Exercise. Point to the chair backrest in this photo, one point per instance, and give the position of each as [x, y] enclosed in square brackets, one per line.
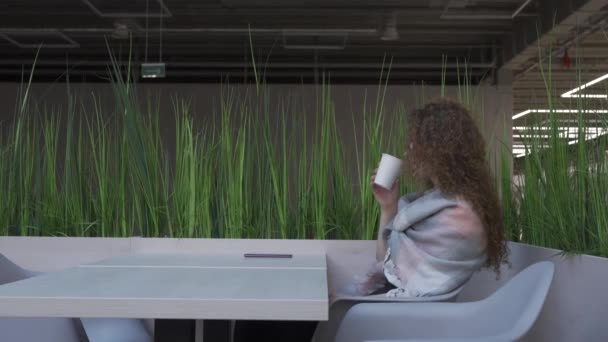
[326, 331]
[115, 329]
[448, 297]
[520, 300]
[34, 329]
[506, 315]
[11, 272]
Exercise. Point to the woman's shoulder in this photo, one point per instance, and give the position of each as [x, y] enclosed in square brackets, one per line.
[454, 212]
[464, 219]
[410, 197]
[423, 207]
[427, 198]
[414, 196]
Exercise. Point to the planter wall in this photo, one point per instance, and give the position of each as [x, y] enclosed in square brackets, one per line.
[574, 311]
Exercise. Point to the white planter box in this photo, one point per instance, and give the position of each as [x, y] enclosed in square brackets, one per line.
[574, 311]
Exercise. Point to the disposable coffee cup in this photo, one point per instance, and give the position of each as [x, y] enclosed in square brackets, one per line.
[388, 171]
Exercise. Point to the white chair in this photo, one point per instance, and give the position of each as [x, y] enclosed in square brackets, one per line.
[506, 315]
[326, 331]
[64, 329]
[15, 329]
[116, 330]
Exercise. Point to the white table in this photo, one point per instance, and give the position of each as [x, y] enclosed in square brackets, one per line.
[177, 286]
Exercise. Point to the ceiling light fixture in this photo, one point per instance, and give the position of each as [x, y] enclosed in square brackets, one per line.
[561, 135]
[562, 128]
[573, 92]
[528, 146]
[576, 121]
[519, 115]
[520, 151]
[586, 111]
[590, 136]
[589, 96]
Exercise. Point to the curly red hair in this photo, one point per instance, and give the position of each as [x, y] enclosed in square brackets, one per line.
[445, 145]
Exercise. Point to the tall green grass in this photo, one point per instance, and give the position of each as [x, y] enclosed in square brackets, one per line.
[302, 187]
[257, 170]
[184, 194]
[368, 154]
[561, 201]
[232, 168]
[276, 152]
[260, 166]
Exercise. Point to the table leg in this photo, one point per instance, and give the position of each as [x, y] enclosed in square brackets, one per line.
[214, 330]
[174, 330]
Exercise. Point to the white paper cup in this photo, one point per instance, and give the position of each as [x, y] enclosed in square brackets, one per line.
[388, 171]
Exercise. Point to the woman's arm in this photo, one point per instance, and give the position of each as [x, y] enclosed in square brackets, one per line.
[388, 201]
[386, 214]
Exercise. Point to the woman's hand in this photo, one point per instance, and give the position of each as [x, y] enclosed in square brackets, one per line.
[387, 199]
[332, 296]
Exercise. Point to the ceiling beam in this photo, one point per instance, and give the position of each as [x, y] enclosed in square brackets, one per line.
[277, 65]
[403, 30]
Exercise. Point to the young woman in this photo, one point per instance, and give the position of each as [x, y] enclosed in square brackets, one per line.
[431, 243]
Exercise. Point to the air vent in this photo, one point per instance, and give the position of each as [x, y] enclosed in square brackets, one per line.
[43, 39]
[128, 9]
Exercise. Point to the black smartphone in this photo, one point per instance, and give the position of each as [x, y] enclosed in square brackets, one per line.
[262, 255]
